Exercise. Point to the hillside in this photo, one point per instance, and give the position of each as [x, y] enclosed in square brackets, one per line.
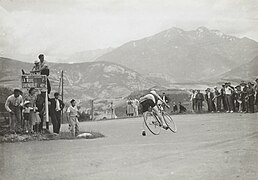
[82, 80]
[246, 72]
[177, 55]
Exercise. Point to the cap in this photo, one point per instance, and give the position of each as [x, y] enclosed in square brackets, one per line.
[17, 90]
[36, 62]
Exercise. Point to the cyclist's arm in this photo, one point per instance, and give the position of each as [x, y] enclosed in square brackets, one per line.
[155, 94]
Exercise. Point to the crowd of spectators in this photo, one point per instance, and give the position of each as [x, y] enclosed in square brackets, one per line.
[227, 98]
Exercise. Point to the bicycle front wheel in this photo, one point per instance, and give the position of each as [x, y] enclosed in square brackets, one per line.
[169, 122]
[152, 124]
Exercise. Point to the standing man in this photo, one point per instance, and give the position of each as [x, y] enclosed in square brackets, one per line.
[250, 97]
[229, 100]
[193, 100]
[135, 106]
[256, 92]
[165, 99]
[56, 108]
[218, 99]
[223, 97]
[13, 106]
[209, 98]
[40, 104]
[199, 99]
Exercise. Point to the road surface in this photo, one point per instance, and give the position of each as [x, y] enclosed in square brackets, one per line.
[206, 146]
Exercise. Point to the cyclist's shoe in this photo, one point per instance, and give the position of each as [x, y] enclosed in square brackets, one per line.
[143, 133]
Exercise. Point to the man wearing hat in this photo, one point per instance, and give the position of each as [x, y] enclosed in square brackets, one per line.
[256, 92]
[35, 69]
[209, 96]
[250, 97]
[56, 108]
[217, 99]
[13, 105]
[229, 97]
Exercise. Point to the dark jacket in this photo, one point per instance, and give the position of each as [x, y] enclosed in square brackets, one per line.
[52, 107]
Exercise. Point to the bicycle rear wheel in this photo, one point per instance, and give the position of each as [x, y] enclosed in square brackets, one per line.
[169, 122]
[152, 124]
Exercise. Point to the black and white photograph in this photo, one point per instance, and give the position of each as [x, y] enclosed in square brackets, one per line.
[128, 89]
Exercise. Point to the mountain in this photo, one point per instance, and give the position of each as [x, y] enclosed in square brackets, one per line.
[247, 72]
[184, 56]
[81, 80]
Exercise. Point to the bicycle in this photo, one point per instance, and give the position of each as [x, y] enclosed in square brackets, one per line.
[154, 124]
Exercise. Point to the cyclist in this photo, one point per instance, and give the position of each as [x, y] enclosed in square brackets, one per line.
[151, 100]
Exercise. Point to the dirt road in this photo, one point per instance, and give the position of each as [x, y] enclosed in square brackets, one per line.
[208, 146]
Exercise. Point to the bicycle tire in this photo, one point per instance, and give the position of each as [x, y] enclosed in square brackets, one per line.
[152, 124]
[169, 122]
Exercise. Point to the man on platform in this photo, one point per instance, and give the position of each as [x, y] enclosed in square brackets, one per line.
[44, 70]
[56, 108]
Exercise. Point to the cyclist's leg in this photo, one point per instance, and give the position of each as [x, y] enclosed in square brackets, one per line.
[155, 108]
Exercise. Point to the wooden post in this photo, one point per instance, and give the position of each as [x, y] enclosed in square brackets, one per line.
[62, 91]
[47, 113]
[92, 109]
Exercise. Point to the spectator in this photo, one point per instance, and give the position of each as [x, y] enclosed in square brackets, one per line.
[112, 110]
[129, 108]
[256, 92]
[209, 96]
[223, 97]
[175, 108]
[182, 109]
[135, 106]
[243, 87]
[43, 69]
[73, 115]
[238, 97]
[199, 100]
[13, 106]
[193, 100]
[36, 68]
[32, 105]
[56, 108]
[26, 116]
[229, 100]
[217, 99]
[165, 99]
[40, 104]
[250, 98]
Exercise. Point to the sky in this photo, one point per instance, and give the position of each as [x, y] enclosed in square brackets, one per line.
[59, 28]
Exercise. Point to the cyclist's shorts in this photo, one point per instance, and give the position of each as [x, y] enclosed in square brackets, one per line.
[147, 104]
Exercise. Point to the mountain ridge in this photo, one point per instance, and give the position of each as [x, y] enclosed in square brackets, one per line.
[184, 55]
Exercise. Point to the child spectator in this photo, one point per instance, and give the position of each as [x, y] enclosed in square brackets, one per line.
[72, 114]
[26, 116]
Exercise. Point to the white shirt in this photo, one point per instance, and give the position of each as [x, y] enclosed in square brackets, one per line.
[228, 90]
[57, 105]
[73, 111]
[11, 100]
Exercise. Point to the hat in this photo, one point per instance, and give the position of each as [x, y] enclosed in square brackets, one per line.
[36, 62]
[17, 90]
[256, 79]
[215, 87]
